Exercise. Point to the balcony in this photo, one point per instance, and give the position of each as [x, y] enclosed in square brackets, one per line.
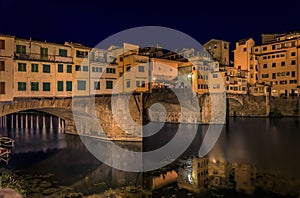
[41, 57]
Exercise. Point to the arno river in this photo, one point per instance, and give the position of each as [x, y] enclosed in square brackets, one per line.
[254, 157]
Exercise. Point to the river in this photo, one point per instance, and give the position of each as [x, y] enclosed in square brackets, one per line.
[252, 157]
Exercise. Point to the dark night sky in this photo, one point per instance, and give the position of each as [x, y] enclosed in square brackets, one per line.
[89, 22]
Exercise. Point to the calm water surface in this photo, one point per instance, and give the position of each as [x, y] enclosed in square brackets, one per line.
[254, 157]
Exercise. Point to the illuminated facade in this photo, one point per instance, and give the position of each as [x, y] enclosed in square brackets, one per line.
[274, 63]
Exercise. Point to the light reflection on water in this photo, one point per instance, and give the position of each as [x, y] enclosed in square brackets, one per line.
[252, 154]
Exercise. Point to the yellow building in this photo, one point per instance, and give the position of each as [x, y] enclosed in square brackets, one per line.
[272, 64]
[40, 69]
[6, 68]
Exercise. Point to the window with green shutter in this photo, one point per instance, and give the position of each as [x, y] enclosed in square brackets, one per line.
[69, 68]
[20, 49]
[34, 67]
[109, 84]
[34, 86]
[60, 68]
[69, 85]
[22, 67]
[46, 68]
[21, 86]
[46, 86]
[62, 52]
[60, 85]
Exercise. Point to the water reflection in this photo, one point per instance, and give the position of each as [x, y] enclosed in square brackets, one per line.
[253, 157]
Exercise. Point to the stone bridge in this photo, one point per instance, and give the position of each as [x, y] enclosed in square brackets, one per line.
[120, 117]
[237, 97]
[89, 116]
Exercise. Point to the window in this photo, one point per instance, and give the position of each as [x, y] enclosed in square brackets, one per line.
[60, 85]
[77, 68]
[287, 73]
[293, 62]
[215, 75]
[293, 74]
[293, 54]
[46, 86]
[85, 68]
[81, 85]
[97, 85]
[22, 67]
[97, 69]
[69, 68]
[2, 65]
[20, 49]
[2, 87]
[128, 83]
[273, 64]
[283, 64]
[265, 75]
[111, 70]
[46, 68]
[239, 67]
[141, 69]
[109, 84]
[264, 48]
[293, 81]
[265, 66]
[2, 44]
[273, 75]
[81, 54]
[62, 52]
[44, 53]
[245, 49]
[137, 83]
[34, 86]
[256, 50]
[69, 85]
[128, 68]
[34, 67]
[143, 84]
[251, 75]
[282, 73]
[278, 73]
[60, 68]
[264, 57]
[21, 86]
[273, 47]
[225, 46]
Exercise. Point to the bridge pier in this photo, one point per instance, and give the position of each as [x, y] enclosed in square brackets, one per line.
[51, 123]
[17, 121]
[44, 122]
[21, 117]
[12, 121]
[26, 121]
[31, 121]
[37, 122]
